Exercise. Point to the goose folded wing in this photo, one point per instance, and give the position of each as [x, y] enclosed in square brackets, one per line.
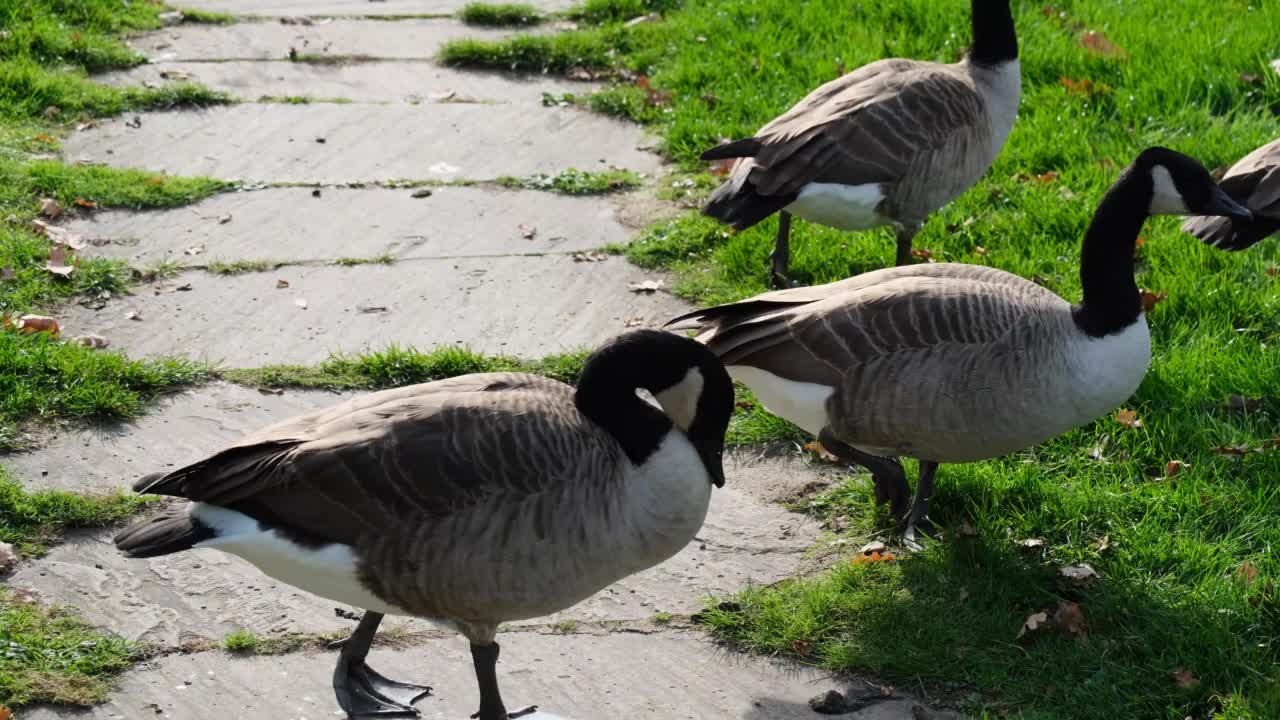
[1255, 180]
[871, 130]
[334, 475]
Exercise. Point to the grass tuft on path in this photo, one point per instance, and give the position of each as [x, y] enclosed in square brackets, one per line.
[600, 12]
[1169, 549]
[51, 656]
[576, 182]
[33, 521]
[501, 14]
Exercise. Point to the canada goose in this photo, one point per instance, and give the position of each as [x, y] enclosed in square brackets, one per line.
[471, 501]
[957, 363]
[888, 143]
[1255, 183]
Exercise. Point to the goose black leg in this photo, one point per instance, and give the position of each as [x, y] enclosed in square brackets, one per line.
[920, 506]
[362, 691]
[781, 257]
[905, 234]
[887, 473]
[485, 659]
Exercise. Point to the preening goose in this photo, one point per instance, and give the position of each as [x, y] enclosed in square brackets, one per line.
[957, 363]
[471, 501]
[886, 144]
[1255, 183]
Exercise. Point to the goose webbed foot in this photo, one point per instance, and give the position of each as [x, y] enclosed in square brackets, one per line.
[363, 692]
[509, 715]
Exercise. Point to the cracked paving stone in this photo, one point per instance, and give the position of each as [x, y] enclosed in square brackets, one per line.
[358, 8]
[405, 39]
[669, 676]
[527, 306]
[274, 142]
[290, 224]
[390, 81]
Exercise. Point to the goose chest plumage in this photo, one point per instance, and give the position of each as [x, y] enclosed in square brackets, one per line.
[1254, 182]
[956, 363]
[887, 144]
[471, 501]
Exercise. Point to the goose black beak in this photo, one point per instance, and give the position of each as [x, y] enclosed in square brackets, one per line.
[1222, 204]
[715, 467]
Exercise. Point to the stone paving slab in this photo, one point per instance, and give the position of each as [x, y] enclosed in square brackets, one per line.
[371, 8]
[290, 224]
[666, 676]
[404, 39]
[391, 81]
[279, 142]
[528, 306]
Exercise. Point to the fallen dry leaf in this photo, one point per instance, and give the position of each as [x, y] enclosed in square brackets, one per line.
[97, 342]
[8, 558]
[873, 547]
[527, 231]
[1104, 544]
[7, 274]
[5, 713]
[1173, 467]
[923, 254]
[816, 448]
[1086, 87]
[133, 315]
[1151, 299]
[282, 284]
[50, 208]
[980, 251]
[1099, 44]
[875, 557]
[89, 204]
[1047, 177]
[1247, 573]
[57, 262]
[1032, 543]
[1034, 626]
[801, 648]
[1128, 418]
[224, 219]
[1240, 450]
[57, 235]
[28, 324]
[1070, 620]
[45, 138]
[301, 302]
[646, 286]
[1078, 575]
[1184, 679]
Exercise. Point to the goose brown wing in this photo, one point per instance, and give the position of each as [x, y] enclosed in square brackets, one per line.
[424, 451]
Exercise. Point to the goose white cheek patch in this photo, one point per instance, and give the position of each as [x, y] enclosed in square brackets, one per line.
[680, 401]
[1165, 198]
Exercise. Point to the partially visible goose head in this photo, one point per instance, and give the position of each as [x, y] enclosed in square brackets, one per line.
[688, 381]
[1182, 186]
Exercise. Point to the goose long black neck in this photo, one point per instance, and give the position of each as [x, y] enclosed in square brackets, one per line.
[607, 396]
[995, 39]
[1111, 301]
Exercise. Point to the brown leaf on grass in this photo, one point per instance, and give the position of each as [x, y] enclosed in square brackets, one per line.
[1104, 544]
[1078, 575]
[645, 286]
[873, 558]
[1173, 467]
[7, 274]
[1184, 679]
[1128, 418]
[154, 182]
[1137, 248]
[816, 448]
[1151, 299]
[527, 231]
[1045, 178]
[87, 204]
[980, 251]
[653, 96]
[923, 254]
[1246, 573]
[1069, 618]
[28, 324]
[57, 263]
[1085, 87]
[1273, 272]
[5, 713]
[1034, 626]
[1099, 44]
[1240, 449]
[801, 648]
[50, 208]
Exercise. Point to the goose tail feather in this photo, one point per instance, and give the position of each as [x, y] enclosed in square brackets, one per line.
[172, 530]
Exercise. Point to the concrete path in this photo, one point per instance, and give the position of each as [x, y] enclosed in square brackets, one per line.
[499, 270]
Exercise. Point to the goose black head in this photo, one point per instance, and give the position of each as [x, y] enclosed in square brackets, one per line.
[1182, 186]
[687, 380]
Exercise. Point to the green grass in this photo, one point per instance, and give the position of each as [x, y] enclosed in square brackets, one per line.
[500, 14]
[32, 521]
[1170, 596]
[576, 182]
[384, 259]
[206, 17]
[52, 656]
[241, 641]
[240, 267]
[599, 12]
[399, 366]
